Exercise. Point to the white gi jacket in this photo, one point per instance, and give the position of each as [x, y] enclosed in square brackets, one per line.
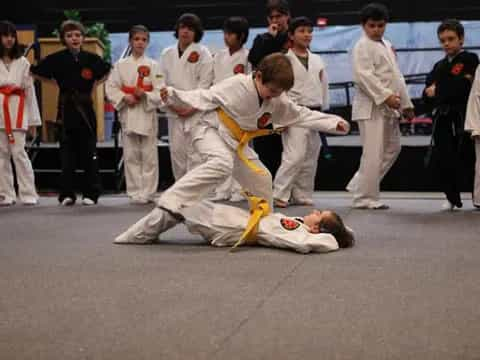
[226, 65]
[140, 119]
[472, 119]
[18, 74]
[377, 76]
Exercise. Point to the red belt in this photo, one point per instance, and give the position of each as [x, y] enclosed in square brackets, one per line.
[140, 85]
[8, 91]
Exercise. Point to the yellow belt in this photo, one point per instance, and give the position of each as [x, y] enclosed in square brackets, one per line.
[259, 208]
[243, 137]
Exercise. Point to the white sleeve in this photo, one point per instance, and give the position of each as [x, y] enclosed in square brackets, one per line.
[287, 113]
[31, 102]
[113, 88]
[472, 119]
[405, 101]
[205, 70]
[364, 75]
[326, 94]
[153, 99]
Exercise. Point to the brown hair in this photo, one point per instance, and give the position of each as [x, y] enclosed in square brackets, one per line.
[7, 28]
[70, 25]
[193, 22]
[138, 29]
[278, 5]
[277, 70]
[334, 225]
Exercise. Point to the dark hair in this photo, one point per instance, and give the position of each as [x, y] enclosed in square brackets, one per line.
[193, 22]
[374, 11]
[297, 22]
[277, 69]
[237, 25]
[8, 28]
[334, 225]
[452, 25]
[138, 29]
[70, 25]
[279, 5]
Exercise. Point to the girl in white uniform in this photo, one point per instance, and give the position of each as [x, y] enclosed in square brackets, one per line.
[187, 65]
[18, 114]
[295, 179]
[133, 87]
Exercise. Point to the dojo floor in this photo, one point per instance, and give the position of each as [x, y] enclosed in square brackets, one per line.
[410, 289]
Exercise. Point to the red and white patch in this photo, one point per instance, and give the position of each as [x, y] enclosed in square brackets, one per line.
[263, 120]
[87, 74]
[239, 69]
[457, 69]
[143, 71]
[289, 224]
[193, 57]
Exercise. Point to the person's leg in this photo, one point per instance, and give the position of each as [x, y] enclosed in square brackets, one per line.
[295, 143]
[392, 146]
[92, 182]
[178, 146]
[68, 162]
[23, 167]
[131, 157]
[7, 190]
[149, 166]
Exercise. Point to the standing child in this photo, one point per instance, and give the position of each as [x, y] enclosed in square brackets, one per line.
[18, 115]
[472, 125]
[447, 88]
[187, 65]
[226, 63]
[133, 88]
[76, 72]
[381, 98]
[295, 179]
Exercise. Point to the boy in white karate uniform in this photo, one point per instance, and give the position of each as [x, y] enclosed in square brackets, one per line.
[187, 65]
[380, 100]
[222, 225]
[295, 179]
[235, 110]
[133, 87]
[226, 63]
[472, 125]
[18, 115]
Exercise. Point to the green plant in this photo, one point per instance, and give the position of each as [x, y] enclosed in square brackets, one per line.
[96, 30]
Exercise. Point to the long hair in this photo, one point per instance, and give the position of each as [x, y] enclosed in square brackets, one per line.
[7, 28]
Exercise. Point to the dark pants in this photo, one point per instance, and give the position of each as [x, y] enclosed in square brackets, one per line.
[78, 144]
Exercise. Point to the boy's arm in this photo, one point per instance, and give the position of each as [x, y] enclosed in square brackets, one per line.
[153, 100]
[472, 119]
[113, 88]
[365, 78]
[44, 70]
[325, 93]
[205, 71]
[31, 100]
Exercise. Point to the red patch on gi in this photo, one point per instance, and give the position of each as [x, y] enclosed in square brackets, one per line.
[239, 69]
[87, 74]
[263, 120]
[289, 224]
[143, 71]
[193, 57]
[457, 69]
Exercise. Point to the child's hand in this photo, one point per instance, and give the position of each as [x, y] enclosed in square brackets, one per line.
[343, 127]
[430, 91]
[131, 100]
[139, 93]
[393, 101]
[273, 29]
[408, 113]
[164, 94]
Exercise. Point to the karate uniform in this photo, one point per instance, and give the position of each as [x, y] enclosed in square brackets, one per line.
[472, 125]
[377, 76]
[192, 70]
[453, 148]
[295, 179]
[139, 123]
[76, 75]
[237, 97]
[226, 65]
[222, 225]
[21, 114]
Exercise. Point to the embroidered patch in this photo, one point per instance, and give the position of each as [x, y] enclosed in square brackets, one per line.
[263, 120]
[457, 69]
[193, 57]
[87, 74]
[143, 71]
[289, 224]
[239, 69]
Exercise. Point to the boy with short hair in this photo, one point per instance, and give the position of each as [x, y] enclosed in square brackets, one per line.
[295, 179]
[187, 65]
[76, 72]
[381, 99]
[133, 87]
[447, 89]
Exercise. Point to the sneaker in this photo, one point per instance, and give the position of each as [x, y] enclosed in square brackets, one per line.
[30, 201]
[280, 203]
[448, 206]
[374, 205]
[6, 202]
[68, 201]
[88, 202]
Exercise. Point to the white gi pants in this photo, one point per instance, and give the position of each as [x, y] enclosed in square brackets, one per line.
[295, 177]
[381, 146]
[476, 190]
[23, 168]
[219, 161]
[140, 154]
